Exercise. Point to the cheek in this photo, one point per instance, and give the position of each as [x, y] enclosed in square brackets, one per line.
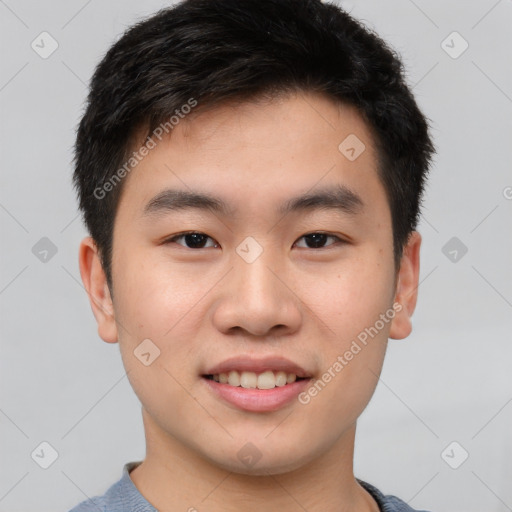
[350, 297]
[352, 356]
[351, 303]
[157, 305]
[154, 296]
[156, 343]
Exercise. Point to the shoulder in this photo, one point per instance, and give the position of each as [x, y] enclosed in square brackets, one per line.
[110, 501]
[122, 496]
[387, 503]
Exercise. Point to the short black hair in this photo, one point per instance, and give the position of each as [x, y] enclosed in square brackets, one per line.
[215, 51]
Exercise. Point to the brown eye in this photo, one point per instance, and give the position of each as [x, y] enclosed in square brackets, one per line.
[192, 240]
[318, 240]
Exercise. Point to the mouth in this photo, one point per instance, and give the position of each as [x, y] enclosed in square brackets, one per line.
[253, 385]
[252, 380]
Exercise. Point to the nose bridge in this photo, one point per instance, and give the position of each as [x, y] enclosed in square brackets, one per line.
[256, 285]
[256, 300]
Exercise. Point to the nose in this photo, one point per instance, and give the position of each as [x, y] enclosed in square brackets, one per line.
[257, 300]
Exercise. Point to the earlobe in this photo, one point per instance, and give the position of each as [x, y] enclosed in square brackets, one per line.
[95, 283]
[407, 288]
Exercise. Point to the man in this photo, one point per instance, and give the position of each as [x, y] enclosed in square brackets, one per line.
[250, 173]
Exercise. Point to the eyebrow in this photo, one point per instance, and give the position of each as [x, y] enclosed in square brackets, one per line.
[338, 197]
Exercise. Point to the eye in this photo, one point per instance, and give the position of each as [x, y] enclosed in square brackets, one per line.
[318, 239]
[198, 240]
[192, 239]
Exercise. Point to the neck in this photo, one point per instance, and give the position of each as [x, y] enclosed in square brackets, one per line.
[174, 477]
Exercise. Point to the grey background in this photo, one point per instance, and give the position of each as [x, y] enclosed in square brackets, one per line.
[449, 381]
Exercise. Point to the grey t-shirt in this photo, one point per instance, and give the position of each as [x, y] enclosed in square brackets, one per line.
[123, 496]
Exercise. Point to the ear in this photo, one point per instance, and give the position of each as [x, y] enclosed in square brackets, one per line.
[407, 288]
[95, 283]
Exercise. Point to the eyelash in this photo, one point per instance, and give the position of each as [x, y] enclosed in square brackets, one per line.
[181, 235]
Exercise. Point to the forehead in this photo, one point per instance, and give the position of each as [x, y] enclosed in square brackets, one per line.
[260, 153]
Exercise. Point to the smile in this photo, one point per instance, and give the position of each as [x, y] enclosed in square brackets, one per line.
[251, 380]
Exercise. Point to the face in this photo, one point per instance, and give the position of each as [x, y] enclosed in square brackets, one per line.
[287, 282]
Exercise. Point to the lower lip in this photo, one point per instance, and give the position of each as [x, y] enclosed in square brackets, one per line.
[258, 400]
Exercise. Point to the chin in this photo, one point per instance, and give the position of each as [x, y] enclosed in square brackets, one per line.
[259, 465]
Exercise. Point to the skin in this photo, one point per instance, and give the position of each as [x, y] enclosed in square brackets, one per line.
[201, 306]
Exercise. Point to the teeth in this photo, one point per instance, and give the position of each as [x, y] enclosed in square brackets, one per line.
[250, 380]
[234, 378]
[266, 380]
[280, 379]
[290, 378]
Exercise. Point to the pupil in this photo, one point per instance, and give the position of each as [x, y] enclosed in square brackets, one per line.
[317, 239]
[196, 239]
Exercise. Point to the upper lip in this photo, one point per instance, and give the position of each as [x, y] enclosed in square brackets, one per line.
[258, 365]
